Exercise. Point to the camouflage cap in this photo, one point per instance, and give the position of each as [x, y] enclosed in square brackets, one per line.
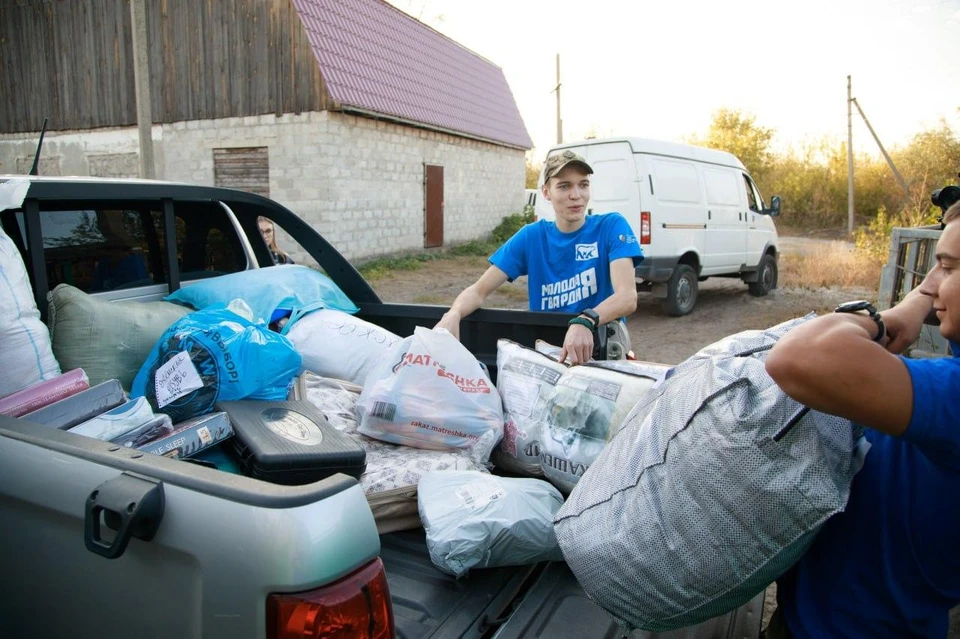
[559, 161]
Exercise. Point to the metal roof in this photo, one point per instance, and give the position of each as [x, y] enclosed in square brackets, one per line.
[377, 60]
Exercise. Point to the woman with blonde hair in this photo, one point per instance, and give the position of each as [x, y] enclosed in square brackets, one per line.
[268, 232]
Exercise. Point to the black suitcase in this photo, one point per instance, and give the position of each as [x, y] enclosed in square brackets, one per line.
[290, 442]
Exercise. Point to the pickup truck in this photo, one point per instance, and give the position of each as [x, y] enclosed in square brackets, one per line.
[223, 555]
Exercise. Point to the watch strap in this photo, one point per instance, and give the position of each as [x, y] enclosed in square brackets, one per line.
[582, 321]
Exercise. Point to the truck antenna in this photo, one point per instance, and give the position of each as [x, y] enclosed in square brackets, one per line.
[36, 157]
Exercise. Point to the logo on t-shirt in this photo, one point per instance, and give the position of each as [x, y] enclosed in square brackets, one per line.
[587, 252]
[557, 295]
[629, 239]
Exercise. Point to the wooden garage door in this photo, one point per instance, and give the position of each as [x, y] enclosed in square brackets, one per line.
[433, 205]
[244, 168]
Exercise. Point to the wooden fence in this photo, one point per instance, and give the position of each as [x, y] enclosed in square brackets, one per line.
[912, 254]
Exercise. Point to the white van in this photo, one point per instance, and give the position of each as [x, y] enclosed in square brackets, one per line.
[696, 212]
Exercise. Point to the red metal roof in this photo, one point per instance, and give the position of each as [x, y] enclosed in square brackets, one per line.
[374, 57]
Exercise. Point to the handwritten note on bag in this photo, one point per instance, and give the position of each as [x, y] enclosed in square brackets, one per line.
[175, 379]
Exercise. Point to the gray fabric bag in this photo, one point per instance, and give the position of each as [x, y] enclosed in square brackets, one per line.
[477, 520]
[715, 485]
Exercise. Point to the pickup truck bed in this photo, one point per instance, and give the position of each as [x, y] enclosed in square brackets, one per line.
[226, 542]
[522, 602]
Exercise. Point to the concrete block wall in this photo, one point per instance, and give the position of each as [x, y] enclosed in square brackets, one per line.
[357, 180]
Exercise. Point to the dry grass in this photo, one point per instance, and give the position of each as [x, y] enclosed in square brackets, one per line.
[831, 266]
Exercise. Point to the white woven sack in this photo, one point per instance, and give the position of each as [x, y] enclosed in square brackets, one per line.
[525, 379]
[430, 392]
[716, 484]
[24, 340]
[584, 410]
[338, 345]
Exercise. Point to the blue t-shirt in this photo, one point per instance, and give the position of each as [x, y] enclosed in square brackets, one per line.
[568, 272]
[889, 566]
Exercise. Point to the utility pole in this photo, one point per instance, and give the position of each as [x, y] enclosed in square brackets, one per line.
[141, 84]
[886, 156]
[557, 89]
[849, 156]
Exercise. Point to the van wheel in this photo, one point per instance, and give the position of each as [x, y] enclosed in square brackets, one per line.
[766, 277]
[682, 291]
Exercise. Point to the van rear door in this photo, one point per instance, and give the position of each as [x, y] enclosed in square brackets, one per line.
[726, 241]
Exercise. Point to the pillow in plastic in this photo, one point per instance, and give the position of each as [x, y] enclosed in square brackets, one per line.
[393, 471]
[338, 345]
[215, 355]
[525, 379]
[24, 340]
[429, 392]
[584, 410]
[108, 340]
[716, 484]
[476, 520]
[286, 286]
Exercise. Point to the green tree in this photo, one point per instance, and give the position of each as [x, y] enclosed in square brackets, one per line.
[533, 174]
[736, 132]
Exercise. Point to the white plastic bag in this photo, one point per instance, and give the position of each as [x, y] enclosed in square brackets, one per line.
[585, 410]
[430, 392]
[525, 379]
[24, 340]
[338, 345]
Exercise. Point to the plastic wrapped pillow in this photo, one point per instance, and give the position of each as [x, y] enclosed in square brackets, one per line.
[476, 520]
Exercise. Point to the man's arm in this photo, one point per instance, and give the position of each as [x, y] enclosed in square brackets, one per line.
[832, 365]
[623, 302]
[578, 343]
[471, 298]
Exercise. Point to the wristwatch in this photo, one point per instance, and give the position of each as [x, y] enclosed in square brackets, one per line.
[591, 315]
[863, 305]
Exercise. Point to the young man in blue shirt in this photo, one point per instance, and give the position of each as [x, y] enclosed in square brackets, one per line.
[577, 264]
[889, 566]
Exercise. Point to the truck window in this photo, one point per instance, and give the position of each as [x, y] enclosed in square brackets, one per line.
[101, 249]
[207, 242]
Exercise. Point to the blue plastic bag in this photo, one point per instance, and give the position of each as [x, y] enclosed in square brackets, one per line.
[287, 287]
[215, 355]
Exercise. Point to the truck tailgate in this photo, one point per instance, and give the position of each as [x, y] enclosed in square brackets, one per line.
[557, 607]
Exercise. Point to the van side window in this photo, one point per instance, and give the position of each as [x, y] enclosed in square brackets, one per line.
[753, 198]
[102, 249]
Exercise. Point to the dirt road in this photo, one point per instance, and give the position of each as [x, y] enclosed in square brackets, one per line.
[724, 306]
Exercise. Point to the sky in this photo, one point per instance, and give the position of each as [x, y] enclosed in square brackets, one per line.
[660, 69]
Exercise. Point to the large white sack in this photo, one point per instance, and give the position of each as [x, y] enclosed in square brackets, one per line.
[585, 410]
[24, 340]
[430, 392]
[338, 345]
[715, 485]
[525, 379]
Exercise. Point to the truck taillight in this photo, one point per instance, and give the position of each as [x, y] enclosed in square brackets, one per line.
[355, 607]
[645, 227]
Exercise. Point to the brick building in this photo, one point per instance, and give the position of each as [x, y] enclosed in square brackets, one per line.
[339, 109]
